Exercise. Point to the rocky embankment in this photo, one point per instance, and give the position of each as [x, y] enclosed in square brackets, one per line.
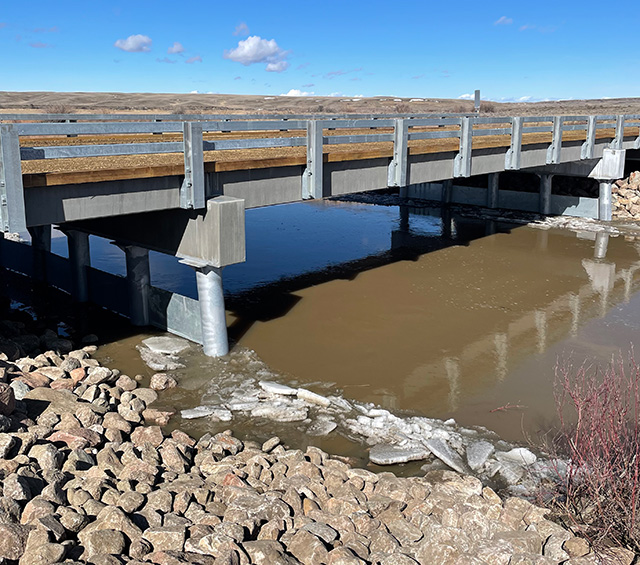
[89, 475]
[626, 198]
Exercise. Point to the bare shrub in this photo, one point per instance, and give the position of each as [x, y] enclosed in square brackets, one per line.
[599, 415]
[403, 108]
[58, 109]
[488, 107]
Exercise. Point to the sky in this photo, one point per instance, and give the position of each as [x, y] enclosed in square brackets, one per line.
[421, 49]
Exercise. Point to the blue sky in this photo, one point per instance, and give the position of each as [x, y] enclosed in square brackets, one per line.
[509, 50]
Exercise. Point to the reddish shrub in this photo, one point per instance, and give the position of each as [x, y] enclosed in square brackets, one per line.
[599, 415]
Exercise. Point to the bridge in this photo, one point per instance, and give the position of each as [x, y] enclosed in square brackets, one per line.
[181, 184]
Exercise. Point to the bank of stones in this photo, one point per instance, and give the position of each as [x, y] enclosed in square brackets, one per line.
[625, 198]
[89, 476]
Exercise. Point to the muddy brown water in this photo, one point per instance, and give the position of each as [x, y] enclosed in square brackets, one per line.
[447, 318]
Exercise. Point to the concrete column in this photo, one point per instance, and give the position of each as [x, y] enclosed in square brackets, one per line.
[138, 283]
[404, 218]
[492, 190]
[446, 222]
[80, 258]
[215, 341]
[604, 200]
[447, 185]
[41, 245]
[545, 193]
[601, 244]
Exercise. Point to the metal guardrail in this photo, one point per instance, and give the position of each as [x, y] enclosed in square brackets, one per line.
[463, 128]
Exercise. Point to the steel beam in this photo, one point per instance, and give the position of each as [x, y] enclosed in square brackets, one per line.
[546, 181]
[80, 258]
[493, 190]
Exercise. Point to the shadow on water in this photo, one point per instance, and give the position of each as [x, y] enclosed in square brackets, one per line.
[275, 299]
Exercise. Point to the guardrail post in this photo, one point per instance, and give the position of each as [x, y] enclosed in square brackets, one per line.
[192, 191]
[617, 140]
[12, 211]
[312, 176]
[553, 152]
[462, 162]
[398, 166]
[512, 157]
[586, 152]
[636, 141]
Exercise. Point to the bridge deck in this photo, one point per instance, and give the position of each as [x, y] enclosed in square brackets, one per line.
[56, 172]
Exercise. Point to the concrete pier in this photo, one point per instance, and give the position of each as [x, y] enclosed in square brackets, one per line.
[138, 283]
[546, 181]
[80, 257]
[492, 192]
[604, 201]
[41, 243]
[215, 342]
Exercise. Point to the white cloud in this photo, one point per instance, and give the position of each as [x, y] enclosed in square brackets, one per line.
[503, 21]
[175, 48]
[195, 59]
[254, 49]
[277, 67]
[241, 29]
[466, 97]
[525, 99]
[194, 92]
[134, 44]
[166, 60]
[296, 92]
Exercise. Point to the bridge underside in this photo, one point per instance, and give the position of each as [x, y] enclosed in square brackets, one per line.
[144, 214]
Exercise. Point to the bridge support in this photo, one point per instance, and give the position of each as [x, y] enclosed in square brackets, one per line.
[447, 186]
[80, 258]
[212, 313]
[546, 181]
[604, 200]
[41, 244]
[138, 283]
[492, 191]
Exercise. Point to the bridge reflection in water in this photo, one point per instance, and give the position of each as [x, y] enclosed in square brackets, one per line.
[467, 323]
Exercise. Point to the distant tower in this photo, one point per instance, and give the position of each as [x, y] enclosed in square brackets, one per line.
[476, 103]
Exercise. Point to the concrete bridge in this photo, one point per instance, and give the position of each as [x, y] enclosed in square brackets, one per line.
[181, 184]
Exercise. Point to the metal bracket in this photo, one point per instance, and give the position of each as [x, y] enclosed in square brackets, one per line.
[636, 142]
[462, 162]
[512, 157]
[553, 152]
[12, 210]
[398, 167]
[312, 176]
[192, 194]
[586, 152]
[617, 140]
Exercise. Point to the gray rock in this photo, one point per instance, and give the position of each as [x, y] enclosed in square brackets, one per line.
[13, 540]
[280, 412]
[20, 389]
[307, 548]
[7, 399]
[7, 442]
[97, 542]
[162, 381]
[166, 538]
[383, 454]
